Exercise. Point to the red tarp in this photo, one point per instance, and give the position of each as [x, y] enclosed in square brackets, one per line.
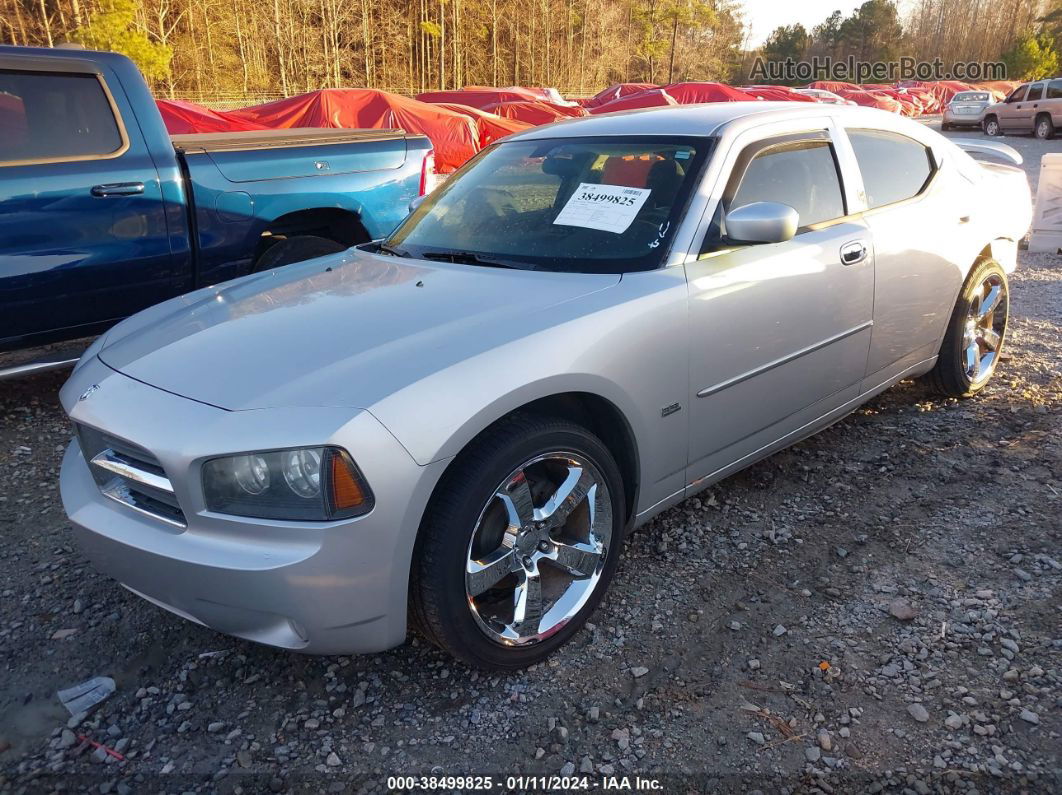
[616, 91]
[776, 94]
[869, 100]
[491, 126]
[184, 118]
[535, 113]
[690, 93]
[999, 89]
[836, 86]
[481, 97]
[653, 98]
[13, 127]
[454, 136]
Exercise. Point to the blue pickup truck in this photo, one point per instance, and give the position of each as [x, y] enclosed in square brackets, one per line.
[103, 213]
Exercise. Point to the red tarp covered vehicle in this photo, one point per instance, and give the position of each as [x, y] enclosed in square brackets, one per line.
[535, 113]
[776, 94]
[869, 100]
[653, 98]
[616, 91]
[491, 126]
[184, 118]
[454, 136]
[481, 97]
[836, 86]
[691, 93]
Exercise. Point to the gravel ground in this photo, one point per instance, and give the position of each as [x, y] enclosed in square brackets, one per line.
[875, 609]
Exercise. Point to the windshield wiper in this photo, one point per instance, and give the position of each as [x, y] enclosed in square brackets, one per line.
[394, 252]
[471, 258]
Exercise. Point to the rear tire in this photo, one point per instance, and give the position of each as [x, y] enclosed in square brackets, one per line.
[944, 126]
[296, 249]
[991, 126]
[974, 339]
[479, 517]
[1045, 128]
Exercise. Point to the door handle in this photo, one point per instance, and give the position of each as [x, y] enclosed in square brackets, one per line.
[853, 252]
[118, 189]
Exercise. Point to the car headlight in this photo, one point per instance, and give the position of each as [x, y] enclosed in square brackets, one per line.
[303, 484]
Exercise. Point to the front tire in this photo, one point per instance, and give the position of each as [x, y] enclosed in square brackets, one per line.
[974, 339]
[296, 249]
[519, 543]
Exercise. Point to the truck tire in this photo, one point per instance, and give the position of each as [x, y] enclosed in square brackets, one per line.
[1045, 128]
[991, 126]
[296, 249]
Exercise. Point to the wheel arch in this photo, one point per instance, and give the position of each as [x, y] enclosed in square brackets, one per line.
[335, 223]
[587, 407]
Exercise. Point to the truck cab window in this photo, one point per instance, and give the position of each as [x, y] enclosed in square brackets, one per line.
[53, 116]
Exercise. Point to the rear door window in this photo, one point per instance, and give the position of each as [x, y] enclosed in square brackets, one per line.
[894, 167]
[52, 117]
[1054, 89]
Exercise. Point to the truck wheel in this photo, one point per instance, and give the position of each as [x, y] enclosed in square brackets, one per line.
[296, 249]
[992, 126]
[518, 544]
[974, 339]
[1045, 128]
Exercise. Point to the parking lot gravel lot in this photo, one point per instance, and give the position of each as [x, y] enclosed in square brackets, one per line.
[875, 609]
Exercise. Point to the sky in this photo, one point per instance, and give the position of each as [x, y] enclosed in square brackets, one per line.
[763, 16]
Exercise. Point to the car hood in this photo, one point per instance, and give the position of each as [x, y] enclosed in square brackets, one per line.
[342, 330]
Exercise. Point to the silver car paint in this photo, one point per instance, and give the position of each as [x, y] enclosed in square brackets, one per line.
[402, 362]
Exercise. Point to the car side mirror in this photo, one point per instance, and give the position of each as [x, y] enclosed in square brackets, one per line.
[761, 222]
[413, 205]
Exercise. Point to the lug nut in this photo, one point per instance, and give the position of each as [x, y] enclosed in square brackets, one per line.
[543, 546]
[527, 562]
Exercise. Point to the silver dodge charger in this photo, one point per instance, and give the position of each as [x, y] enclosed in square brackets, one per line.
[454, 428]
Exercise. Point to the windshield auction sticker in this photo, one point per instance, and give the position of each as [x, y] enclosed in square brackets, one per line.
[610, 208]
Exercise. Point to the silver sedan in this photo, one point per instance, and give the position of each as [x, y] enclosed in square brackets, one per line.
[455, 428]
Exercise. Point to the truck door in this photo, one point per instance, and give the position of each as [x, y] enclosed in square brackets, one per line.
[83, 233]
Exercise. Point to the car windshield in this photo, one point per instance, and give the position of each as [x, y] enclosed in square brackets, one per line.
[587, 205]
[971, 96]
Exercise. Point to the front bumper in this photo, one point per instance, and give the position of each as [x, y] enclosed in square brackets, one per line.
[318, 587]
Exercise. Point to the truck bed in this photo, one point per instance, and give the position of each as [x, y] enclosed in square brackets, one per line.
[268, 139]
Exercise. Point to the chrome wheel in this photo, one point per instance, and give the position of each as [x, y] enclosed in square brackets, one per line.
[986, 322]
[991, 127]
[1043, 129]
[538, 548]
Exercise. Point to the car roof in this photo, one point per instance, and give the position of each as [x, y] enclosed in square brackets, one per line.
[700, 121]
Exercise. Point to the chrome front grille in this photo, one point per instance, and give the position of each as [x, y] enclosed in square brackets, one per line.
[130, 475]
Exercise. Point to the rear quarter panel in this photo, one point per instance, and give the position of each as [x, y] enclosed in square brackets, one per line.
[237, 194]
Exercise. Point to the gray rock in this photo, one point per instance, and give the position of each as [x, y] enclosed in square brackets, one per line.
[902, 610]
[918, 712]
[1022, 575]
[754, 665]
[756, 737]
[639, 671]
[333, 760]
[567, 769]
[779, 630]
[953, 722]
[586, 765]
[825, 741]
[215, 727]
[67, 739]
[812, 754]
[1029, 716]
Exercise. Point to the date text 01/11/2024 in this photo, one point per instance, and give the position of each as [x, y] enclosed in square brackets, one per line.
[524, 783]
